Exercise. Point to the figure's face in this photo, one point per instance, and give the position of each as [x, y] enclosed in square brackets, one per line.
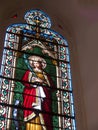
[37, 64]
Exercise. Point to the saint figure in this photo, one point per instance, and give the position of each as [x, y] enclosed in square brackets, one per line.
[37, 101]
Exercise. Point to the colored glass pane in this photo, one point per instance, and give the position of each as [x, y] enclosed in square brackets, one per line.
[36, 88]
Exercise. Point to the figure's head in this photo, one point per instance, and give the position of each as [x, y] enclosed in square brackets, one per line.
[37, 62]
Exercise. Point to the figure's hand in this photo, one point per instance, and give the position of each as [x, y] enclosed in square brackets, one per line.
[39, 80]
[36, 79]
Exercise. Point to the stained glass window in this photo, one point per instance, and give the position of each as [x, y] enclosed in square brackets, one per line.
[35, 80]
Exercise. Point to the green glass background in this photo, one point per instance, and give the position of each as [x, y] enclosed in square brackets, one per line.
[21, 67]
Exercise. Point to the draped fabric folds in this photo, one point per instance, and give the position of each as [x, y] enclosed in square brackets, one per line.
[42, 108]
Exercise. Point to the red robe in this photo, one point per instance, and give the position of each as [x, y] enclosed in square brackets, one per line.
[29, 97]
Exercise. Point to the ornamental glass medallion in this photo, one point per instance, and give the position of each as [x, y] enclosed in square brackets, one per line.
[35, 81]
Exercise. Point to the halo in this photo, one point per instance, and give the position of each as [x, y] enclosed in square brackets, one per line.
[37, 58]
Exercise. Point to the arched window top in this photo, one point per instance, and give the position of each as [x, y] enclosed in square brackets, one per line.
[38, 18]
[35, 77]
